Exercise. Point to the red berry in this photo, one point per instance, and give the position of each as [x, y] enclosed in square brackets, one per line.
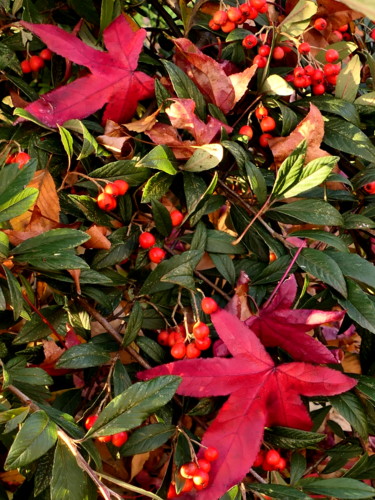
[119, 438]
[204, 464]
[112, 189]
[122, 186]
[263, 140]
[369, 188]
[261, 112]
[259, 459]
[46, 54]
[320, 24]
[201, 330]
[25, 66]
[264, 9]
[264, 50]
[343, 28]
[172, 493]
[188, 470]
[309, 70]
[106, 202]
[104, 439]
[188, 486]
[192, 351]
[163, 338]
[214, 27]
[332, 79]
[90, 421]
[318, 89]
[253, 13]
[329, 69]
[258, 4]
[260, 61]
[278, 53]
[220, 17]
[249, 41]
[346, 37]
[246, 130]
[304, 48]
[234, 14]
[372, 35]
[245, 9]
[267, 124]
[177, 217]
[36, 63]
[272, 457]
[299, 71]
[21, 158]
[211, 454]
[281, 464]
[332, 55]
[146, 240]
[209, 305]
[300, 82]
[156, 255]
[178, 351]
[201, 478]
[318, 76]
[338, 35]
[228, 27]
[272, 256]
[203, 344]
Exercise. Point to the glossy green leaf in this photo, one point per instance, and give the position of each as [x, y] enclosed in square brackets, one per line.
[162, 218]
[134, 324]
[159, 158]
[339, 488]
[299, 18]
[16, 299]
[323, 236]
[359, 306]
[147, 438]
[204, 158]
[156, 187]
[278, 491]
[18, 204]
[310, 211]
[355, 267]
[50, 242]
[350, 407]
[290, 439]
[83, 356]
[346, 137]
[348, 80]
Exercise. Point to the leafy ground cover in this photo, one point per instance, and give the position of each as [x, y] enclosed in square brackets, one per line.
[187, 204]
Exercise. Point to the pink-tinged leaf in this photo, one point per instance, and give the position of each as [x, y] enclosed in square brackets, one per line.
[238, 305]
[167, 135]
[206, 73]
[113, 79]
[240, 82]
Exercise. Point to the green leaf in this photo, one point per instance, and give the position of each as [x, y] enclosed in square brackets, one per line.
[13, 180]
[275, 84]
[366, 99]
[159, 158]
[29, 117]
[310, 211]
[350, 407]
[134, 324]
[363, 469]
[122, 169]
[83, 356]
[225, 266]
[68, 481]
[290, 439]
[156, 187]
[256, 181]
[367, 386]
[18, 204]
[357, 221]
[51, 242]
[323, 236]
[67, 259]
[37, 435]
[67, 141]
[37, 329]
[355, 267]
[120, 378]
[323, 267]
[278, 491]
[151, 348]
[359, 306]
[34, 376]
[343, 48]
[343, 109]
[348, 80]
[204, 158]
[339, 488]
[89, 145]
[185, 87]
[162, 218]
[147, 438]
[16, 299]
[346, 137]
[290, 170]
[299, 18]
[221, 242]
[182, 274]
[132, 407]
[297, 467]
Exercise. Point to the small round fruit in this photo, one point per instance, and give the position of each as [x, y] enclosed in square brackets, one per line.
[245, 9]
[281, 464]
[209, 305]
[318, 76]
[372, 34]
[106, 202]
[220, 17]
[112, 189]
[178, 351]
[264, 9]
[253, 13]
[157, 254]
[21, 158]
[263, 140]
[261, 112]
[36, 63]
[172, 493]
[344, 28]
[176, 217]
[320, 24]
[247, 131]
[309, 70]
[369, 188]
[338, 35]
[228, 27]
[192, 351]
[90, 421]
[104, 439]
[163, 338]
[259, 459]
[188, 470]
[122, 186]
[146, 240]
[234, 14]
[201, 330]
[249, 41]
[278, 53]
[272, 457]
[119, 438]
[299, 71]
[272, 257]
[260, 61]
[332, 55]
[264, 50]
[25, 66]
[300, 82]
[211, 454]
[318, 89]
[258, 4]
[213, 25]
[204, 464]
[46, 54]
[201, 478]
[268, 124]
[203, 344]
[304, 48]
[188, 486]
[332, 79]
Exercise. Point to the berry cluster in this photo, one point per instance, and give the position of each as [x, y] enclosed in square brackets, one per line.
[117, 439]
[107, 199]
[266, 123]
[21, 158]
[184, 344]
[36, 63]
[195, 474]
[270, 460]
[230, 19]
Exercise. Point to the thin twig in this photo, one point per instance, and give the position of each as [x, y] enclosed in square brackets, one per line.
[43, 318]
[257, 476]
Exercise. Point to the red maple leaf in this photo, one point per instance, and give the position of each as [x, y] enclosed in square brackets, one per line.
[277, 324]
[260, 394]
[113, 79]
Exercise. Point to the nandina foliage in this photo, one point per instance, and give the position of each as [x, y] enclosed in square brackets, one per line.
[261, 394]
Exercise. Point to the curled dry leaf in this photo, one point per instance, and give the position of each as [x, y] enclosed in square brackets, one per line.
[75, 274]
[98, 238]
[145, 123]
[117, 140]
